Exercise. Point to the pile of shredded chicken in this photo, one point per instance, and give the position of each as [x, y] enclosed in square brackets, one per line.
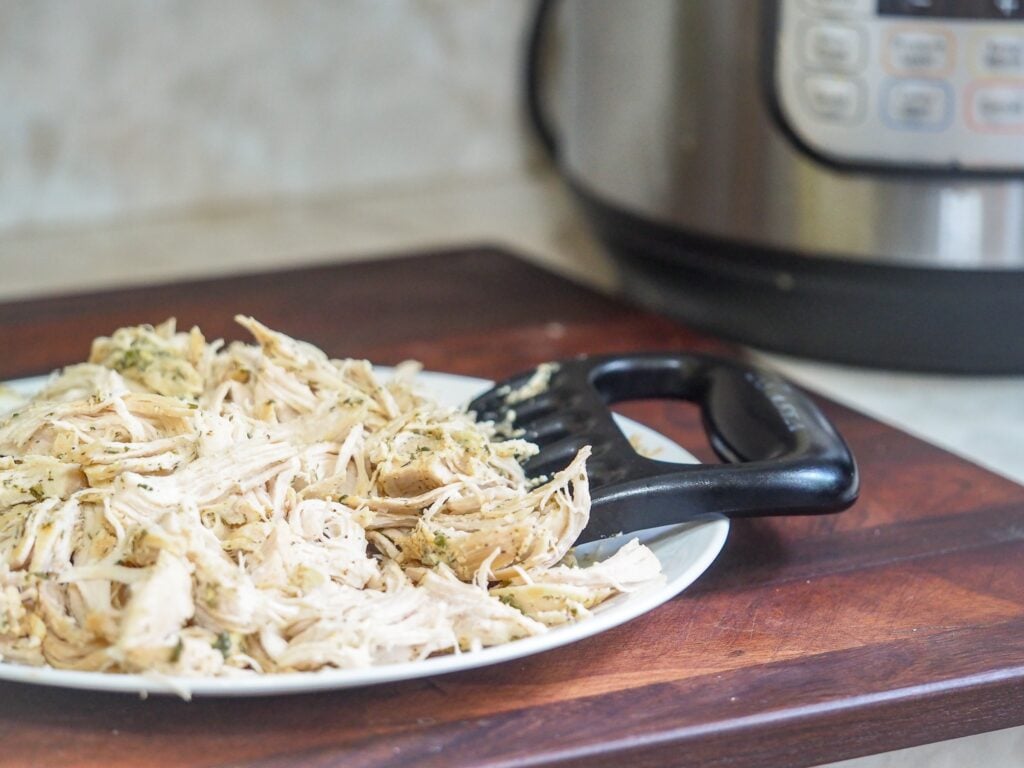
[178, 507]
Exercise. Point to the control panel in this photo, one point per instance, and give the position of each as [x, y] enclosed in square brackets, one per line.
[925, 83]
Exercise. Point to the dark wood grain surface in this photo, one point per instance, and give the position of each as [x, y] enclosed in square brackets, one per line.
[896, 623]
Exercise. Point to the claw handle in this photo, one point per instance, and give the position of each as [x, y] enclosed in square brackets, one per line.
[784, 456]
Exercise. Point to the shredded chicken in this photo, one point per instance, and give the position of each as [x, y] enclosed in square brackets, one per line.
[176, 507]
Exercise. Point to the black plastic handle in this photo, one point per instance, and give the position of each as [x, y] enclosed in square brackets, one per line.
[785, 457]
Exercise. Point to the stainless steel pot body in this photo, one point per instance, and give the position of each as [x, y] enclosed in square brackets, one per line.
[671, 113]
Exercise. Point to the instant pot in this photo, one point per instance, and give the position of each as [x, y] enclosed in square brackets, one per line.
[833, 178]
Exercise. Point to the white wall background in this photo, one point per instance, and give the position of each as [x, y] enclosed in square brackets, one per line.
[112, 109]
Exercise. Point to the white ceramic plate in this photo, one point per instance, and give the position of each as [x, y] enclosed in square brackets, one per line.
[685, 551]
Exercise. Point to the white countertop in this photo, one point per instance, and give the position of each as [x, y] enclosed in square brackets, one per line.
[979, 418]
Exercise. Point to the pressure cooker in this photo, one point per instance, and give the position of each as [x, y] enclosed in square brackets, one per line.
[833, 178]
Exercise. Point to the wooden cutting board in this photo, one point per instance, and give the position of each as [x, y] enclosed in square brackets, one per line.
[898, 622]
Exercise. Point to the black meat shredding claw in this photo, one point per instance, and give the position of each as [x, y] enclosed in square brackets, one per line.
[784, 457]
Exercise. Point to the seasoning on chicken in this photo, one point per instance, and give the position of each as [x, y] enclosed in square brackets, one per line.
[181, 507]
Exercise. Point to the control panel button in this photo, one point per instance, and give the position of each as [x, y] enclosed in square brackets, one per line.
[917, 105]
[836, 99]
[1000, 55]
[919, 52]
[934, 8]
[834, 47]
[841, 7]
[997, 107]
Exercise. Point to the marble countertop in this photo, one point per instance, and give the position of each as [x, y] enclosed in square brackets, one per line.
[979, 418]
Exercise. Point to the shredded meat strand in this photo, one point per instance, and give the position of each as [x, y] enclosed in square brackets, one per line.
[185, 508]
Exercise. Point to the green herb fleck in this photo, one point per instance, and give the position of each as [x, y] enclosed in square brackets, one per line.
[130, 358]
[223, 644]
[37, 491]
[440, 540]
[176, 651]
[509, 601]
